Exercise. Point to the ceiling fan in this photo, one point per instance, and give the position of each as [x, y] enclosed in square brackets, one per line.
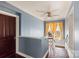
[47, 14]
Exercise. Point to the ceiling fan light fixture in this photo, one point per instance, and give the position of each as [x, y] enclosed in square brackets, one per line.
[49, 14]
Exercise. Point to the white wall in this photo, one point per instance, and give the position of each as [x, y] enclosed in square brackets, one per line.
[74, 40]
[70, 31]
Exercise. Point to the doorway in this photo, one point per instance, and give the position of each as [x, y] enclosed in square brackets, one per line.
[7, 35]
[57, 30]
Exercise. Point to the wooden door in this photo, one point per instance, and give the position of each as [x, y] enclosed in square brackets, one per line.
[7, 36]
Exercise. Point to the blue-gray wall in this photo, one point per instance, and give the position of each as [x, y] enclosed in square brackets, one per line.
[76, 13]
[30, 25]
[35, 47]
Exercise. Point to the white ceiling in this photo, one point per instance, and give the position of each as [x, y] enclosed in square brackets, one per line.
[33, 7]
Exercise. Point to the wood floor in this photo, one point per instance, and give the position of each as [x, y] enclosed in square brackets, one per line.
[58, 53]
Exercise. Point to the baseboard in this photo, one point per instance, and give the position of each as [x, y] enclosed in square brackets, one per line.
[69, 51]
[27, 56]
[24, 55]
[45, 54]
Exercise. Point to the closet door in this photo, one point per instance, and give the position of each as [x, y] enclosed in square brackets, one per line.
[2, 36]
[12, 32]
[7, 36]
[10, 29]
[1, 26]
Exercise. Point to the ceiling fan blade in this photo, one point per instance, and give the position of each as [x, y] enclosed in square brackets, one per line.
[43, 14]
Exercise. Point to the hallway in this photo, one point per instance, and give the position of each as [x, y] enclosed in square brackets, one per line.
[59, 53]
[29, 28]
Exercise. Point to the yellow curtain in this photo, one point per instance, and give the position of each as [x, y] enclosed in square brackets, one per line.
[53, 27]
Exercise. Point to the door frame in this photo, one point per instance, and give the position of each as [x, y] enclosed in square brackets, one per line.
[17, 27]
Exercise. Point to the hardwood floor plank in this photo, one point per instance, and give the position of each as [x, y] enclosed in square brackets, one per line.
[58, 53]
